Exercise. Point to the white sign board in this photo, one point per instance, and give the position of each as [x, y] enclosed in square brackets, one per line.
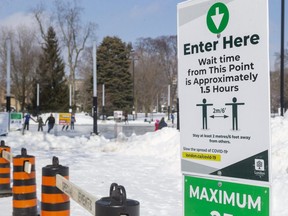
[4, 120]
[7, 155]
[224, 88]
[16, 121]
[118, 115]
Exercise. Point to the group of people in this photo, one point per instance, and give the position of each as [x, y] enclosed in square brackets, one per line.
[50, 120]
[161, 124]
[72, 121]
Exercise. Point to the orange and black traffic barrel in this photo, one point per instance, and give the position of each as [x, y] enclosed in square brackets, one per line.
[54, 202]
[24, 185]
[5, 176]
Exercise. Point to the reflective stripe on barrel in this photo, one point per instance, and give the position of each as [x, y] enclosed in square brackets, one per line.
[54, 202]
[24, 186]
[5, 176]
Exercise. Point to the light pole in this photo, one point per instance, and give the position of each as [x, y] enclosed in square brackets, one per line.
[70, 99]
[133, 68]
[282, 57]
[38, 100]
[133, 73]
[168, 97]
[8, 89]
[95, 130]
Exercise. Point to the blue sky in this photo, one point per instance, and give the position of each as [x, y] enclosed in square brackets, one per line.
[132, 19]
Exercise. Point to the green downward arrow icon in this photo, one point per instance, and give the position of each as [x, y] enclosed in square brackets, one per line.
[217, 18]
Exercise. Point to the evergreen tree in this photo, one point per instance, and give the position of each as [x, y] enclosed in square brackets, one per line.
[113, 64]
[54, 92]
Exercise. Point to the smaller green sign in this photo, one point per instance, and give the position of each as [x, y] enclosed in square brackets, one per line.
[15, 116]
[217, 18]
[206, 197]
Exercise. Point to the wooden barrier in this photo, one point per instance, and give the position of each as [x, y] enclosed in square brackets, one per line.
[82, 197]
[56, 190]
[115, 205]
[24, 185]
[5, 171]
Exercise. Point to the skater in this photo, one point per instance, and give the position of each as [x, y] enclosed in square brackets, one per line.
[27, 118]
[126, 118]
[51, 122]
[73, 120]
[172, 118]
[65, 125]
[40, 123]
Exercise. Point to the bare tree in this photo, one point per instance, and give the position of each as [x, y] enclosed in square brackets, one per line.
[44, 21]
[275, 91]
[149, 77]
[24, 62]
[166, 48]
[74, 34]
[275, 82]
[148, 82]
[24, 58]
[156, 68]
[85, 68]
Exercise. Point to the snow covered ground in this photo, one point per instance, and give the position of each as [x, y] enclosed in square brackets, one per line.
[148, 166]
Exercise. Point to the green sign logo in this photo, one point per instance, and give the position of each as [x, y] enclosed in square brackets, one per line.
[217, 18]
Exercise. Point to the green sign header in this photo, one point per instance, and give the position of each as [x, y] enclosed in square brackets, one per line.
[205, 197]
[15, 116]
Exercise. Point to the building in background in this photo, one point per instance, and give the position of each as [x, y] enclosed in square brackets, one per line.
[15, 105]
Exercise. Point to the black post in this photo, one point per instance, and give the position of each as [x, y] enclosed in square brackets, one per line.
[282, 57]
[103, 113]
[178, 116]
[95, 130]
[8, 104]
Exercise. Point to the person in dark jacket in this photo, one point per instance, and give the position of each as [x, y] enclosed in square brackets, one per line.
[51, 122]
[162, 123]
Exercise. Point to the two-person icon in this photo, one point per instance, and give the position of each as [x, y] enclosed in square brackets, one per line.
[234, 105]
